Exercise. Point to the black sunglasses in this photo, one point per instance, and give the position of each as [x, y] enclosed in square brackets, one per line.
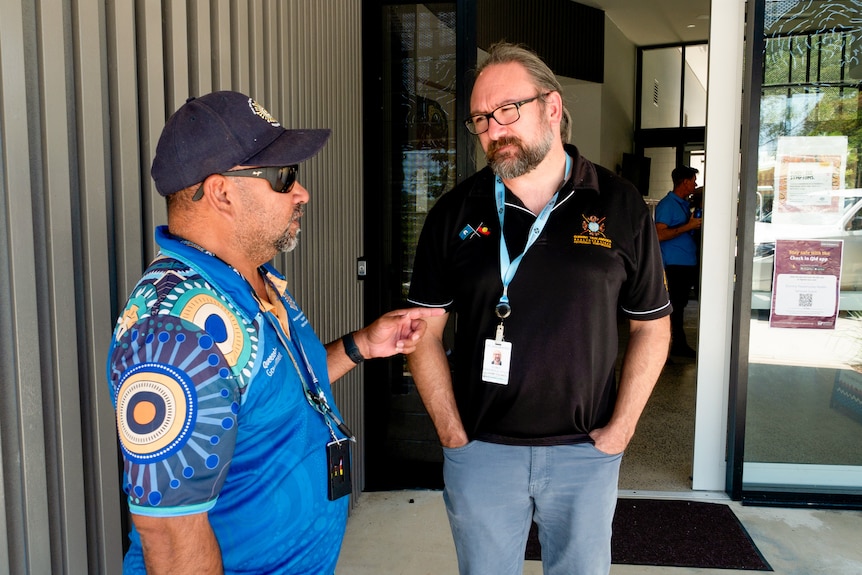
[280, 179]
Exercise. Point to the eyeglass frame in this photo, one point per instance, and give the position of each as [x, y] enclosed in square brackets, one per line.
[490, 115]
[272, 174]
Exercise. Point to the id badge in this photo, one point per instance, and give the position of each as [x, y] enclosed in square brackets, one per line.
[338, 466]
[496, 361]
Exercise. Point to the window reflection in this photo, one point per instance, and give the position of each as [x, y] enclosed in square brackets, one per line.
[804, 402]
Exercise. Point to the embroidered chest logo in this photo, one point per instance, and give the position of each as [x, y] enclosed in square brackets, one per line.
[471, 232]
[593, 232]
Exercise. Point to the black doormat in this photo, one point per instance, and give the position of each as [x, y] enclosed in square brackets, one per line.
[676, 534]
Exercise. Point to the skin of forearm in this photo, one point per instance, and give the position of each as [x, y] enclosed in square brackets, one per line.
[179, 545]
[644, 360]
[430, 369]
[667, 233]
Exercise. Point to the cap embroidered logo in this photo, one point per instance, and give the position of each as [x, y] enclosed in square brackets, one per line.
[260, 111]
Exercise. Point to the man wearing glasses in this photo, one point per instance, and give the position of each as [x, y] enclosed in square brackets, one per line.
[235, 456]
[572, 248]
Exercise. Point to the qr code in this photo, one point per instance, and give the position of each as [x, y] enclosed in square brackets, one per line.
[806, 299]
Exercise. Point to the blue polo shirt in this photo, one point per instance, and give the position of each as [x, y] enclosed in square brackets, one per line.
[681, 250]
[212, 414]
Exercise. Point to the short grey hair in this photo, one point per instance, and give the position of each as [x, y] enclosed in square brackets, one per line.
[543, 77]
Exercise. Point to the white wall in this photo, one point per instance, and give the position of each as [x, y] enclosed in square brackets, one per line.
[603, 114]
[583, 99]
[719, 228]
[618, 96]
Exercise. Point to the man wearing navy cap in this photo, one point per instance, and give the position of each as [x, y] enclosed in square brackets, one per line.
[235, 456]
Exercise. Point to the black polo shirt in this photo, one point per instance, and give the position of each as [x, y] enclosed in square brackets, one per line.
[597, 256]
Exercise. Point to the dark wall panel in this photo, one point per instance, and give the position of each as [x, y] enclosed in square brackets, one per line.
[570, 37]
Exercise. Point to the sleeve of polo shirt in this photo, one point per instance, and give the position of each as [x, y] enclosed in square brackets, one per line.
[644, 295]
[661, 215]
[667, 212]
[176, 392]
[430, 284]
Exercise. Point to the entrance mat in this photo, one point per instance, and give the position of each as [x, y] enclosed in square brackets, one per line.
[676, 534]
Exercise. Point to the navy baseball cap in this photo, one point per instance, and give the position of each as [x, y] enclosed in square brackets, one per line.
[214, 133]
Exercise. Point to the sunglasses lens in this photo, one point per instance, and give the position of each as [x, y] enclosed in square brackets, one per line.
[286, 178]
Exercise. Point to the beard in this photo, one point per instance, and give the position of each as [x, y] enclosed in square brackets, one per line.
[288, 240]
[509, 165]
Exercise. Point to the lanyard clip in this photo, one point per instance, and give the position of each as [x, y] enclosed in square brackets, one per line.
[503, 310]
[321, 405]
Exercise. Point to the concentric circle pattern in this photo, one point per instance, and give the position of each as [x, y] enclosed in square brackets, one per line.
[181, 363]
[155, 411]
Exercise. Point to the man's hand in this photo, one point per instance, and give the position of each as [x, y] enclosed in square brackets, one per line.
[610, 441]
[398, 331]
[395, 332]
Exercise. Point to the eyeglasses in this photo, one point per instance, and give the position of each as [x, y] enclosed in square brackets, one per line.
[280, 179]
[504, 115]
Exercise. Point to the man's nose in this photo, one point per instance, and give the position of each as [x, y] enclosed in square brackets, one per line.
[299, 193]
[495, 130]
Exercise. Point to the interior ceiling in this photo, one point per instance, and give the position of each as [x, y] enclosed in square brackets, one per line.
[651, 22]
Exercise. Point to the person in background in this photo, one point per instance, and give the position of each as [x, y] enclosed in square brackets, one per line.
[571, 246]
[235, 458]
[676, 225]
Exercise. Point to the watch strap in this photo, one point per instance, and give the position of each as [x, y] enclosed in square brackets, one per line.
[351, 349]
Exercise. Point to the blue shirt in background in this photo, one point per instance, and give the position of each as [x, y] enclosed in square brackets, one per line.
[674, 211]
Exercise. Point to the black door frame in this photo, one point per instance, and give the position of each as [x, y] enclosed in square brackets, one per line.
[382, 282]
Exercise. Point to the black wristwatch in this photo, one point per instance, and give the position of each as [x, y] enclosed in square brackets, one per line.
[351, 350]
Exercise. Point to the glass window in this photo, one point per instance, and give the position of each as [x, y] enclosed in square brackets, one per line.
[661, 88]
[421, 87]
[694, 98]
[673, 86]
[804, 401]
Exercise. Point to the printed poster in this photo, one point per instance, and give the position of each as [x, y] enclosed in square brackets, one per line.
[805, 283]
[809, 178]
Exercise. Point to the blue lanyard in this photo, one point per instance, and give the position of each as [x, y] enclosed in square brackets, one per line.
[313, 393]
[509, 268]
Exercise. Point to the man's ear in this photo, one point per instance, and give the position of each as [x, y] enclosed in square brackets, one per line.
[218, 194]
[554, 106]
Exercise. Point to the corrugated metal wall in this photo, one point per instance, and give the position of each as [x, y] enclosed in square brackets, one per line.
[85, 88]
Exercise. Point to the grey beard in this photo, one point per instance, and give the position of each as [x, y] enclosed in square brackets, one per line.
[515, 165]
[288, 240]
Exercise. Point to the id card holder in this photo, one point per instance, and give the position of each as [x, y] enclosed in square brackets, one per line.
[496, 361]
[338, 468]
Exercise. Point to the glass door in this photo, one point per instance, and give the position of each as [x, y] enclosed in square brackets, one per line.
[412, 126]
[799, 415]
